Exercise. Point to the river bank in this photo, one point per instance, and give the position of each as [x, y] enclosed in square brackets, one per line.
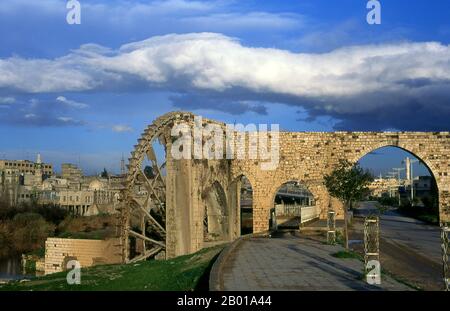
[11, 269]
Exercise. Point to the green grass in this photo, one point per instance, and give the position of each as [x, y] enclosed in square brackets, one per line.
[184, 273]
[400, 280]
[432, 219]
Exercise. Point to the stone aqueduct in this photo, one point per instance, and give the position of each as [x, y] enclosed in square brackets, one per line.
[163, 214]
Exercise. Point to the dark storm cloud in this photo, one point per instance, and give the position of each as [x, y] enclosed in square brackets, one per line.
[212, 102]
[401, 86]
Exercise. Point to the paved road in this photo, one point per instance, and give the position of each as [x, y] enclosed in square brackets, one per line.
[294, 263]
[409, 248]
[415, 234]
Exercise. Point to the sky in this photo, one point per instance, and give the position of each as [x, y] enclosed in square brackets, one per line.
[84, 93]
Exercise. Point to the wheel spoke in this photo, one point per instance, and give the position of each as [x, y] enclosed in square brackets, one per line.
[136, 211]
[150, 217]
[141, 236]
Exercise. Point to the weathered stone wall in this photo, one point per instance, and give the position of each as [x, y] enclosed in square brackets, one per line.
[87, 252]
[307, 157]
[304, 157]
[188, 183]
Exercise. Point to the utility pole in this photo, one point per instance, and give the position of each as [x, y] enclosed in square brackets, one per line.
[412, 180]
[409, 174]
[391, 175]
[398, 170]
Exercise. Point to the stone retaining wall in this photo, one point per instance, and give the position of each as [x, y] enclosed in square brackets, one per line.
[59, 251]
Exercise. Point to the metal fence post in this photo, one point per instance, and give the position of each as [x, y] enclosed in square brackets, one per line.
[274, 220]
[372, 249]
[445, 248]
[331, 226]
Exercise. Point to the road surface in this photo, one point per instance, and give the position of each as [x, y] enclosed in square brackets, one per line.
[415, 234]
[409, 248]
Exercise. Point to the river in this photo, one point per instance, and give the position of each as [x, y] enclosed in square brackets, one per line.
[11, 269]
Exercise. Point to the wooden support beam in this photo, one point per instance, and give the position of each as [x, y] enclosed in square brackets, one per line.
[140, 236]
[150, 217]
[147, 254]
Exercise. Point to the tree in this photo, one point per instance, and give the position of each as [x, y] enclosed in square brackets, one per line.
[348, 183]
[30, 230]
[149, 173]
[104, 173]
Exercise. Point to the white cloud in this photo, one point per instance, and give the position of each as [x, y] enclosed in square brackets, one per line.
[65, 119]
[121, 128]
[30, 116]
[7, 100]
[249, 20]
[71, 103]
[217, 63]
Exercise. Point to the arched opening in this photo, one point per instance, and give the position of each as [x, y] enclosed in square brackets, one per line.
[147, 217]
[293, 205]
[216, 219]
[404, 194]
[246, 206]
[403, 181]
[245, 201]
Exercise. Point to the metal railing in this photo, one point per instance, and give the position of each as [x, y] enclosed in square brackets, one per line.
[309, 213]
[306, 213]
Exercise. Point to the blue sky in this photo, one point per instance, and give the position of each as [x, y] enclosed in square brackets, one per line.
[83, 93]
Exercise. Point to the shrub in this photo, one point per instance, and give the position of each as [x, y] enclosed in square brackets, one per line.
[30, 230]
[51, 213]
[99, 225]
[388, 201]
[5, 239]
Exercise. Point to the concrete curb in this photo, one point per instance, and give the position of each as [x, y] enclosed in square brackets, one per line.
[216, 274]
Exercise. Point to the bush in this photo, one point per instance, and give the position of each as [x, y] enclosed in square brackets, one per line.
[95, 227]
[5, 239]
[30, 230]
[51, 213]
[425, 212]
[388, 201]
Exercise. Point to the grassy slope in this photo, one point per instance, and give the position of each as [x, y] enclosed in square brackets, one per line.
[182, 273]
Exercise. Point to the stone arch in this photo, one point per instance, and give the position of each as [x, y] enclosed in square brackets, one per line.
[405, 147]
[277, 185]
[216, 214]
[416, 153]
[234, 194]
[238, 173]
